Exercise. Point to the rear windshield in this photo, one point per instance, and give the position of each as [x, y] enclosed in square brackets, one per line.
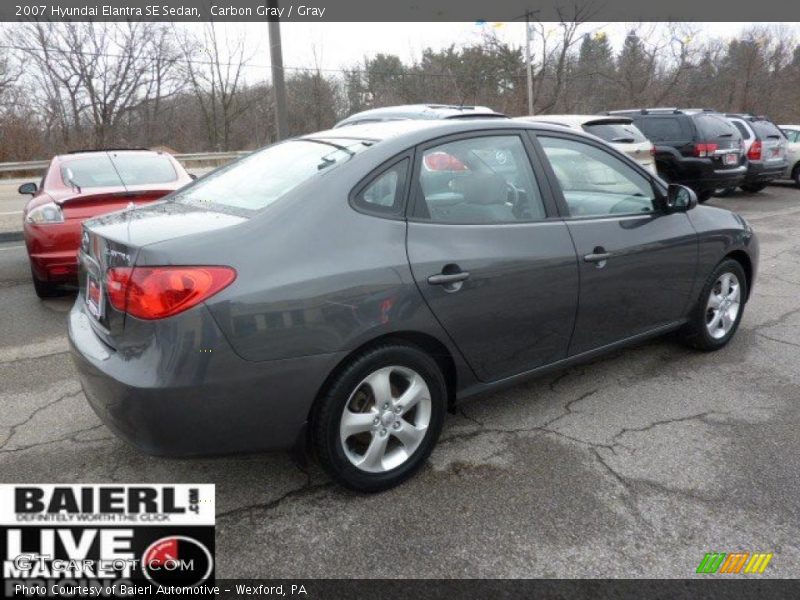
[712, 127]
[255, 182]
[616, 133]
[113, 170]
[766, 129]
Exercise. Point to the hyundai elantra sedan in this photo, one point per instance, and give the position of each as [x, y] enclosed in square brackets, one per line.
[346, 288]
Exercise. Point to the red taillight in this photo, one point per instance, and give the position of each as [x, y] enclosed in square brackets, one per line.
[159, 292]
[704, 150]
[755, 151]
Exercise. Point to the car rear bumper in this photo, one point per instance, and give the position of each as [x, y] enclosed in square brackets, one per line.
[758, 172]
[181, 399]
[53, 250]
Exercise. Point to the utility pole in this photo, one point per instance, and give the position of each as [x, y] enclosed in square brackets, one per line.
[278, 81]
[528, 66]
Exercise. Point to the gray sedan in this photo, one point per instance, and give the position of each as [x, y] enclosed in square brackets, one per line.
[345, 289]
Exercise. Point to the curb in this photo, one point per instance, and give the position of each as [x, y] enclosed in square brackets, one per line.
[11, 236]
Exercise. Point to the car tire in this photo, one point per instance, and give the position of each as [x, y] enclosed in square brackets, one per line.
[724, 192]
[718, 312]
[704, 196]
[752, 188]
[796, 175]
[363, 434]
[44, 289]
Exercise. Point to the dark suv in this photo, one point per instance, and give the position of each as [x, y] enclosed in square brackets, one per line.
[698, 148]
[765, 147]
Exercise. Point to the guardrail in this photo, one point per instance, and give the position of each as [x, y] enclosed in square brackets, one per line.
[36, 165]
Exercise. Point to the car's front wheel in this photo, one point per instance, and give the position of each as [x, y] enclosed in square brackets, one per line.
[796, 175]
[716, 317]
[379, 420]
[752, 188]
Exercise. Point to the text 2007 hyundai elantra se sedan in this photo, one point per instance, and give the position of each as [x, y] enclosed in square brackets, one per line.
[347, 287]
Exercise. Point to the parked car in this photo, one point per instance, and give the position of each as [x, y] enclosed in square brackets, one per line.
[765, 148]
[408, 112]
[619, 132]
[81, 185]
[792, 133]
[698, 148]
[347, 287]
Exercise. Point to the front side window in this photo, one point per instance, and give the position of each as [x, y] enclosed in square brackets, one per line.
[596, 183]
[478, 180]
[255, 182]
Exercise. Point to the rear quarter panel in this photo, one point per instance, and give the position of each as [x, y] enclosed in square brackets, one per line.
[314, 276]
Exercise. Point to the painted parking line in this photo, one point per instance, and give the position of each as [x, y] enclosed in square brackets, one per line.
[13, 212]
[11, 248]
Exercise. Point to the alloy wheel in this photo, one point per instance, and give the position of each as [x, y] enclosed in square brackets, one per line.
[385, 419]
[723, 305]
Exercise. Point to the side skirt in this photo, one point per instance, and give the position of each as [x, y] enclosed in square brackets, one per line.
[481, 388]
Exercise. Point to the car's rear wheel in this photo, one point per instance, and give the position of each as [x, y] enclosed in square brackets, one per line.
[379, 420]
[752, 188]
[44, 289]
[796, 175]
[704, 196]
[718, 312]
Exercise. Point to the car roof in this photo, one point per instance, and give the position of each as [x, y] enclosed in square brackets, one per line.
[404, 134]
[419, 111]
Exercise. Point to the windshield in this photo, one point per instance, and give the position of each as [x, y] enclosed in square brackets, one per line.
[617, 133]
[113, 170]
[255, 182]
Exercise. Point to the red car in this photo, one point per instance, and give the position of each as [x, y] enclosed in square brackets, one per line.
[82, 185]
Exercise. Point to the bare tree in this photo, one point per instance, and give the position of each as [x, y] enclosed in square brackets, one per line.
[214, 70]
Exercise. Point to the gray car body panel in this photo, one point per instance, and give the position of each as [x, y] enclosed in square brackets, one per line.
[317, 280]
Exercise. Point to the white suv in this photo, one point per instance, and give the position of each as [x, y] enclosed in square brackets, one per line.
[792, 133]
[619, 132]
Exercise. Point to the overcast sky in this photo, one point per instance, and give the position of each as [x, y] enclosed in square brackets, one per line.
[337, 45]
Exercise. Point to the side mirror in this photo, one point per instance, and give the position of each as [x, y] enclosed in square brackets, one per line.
[27, 188]
[680, 198]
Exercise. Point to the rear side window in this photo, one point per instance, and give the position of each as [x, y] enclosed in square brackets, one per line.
[384, 194]
[255, 182]
[766, 129]
[712, 127]
[616, 133]
[659, 129]
[118, 169]
[481, 180]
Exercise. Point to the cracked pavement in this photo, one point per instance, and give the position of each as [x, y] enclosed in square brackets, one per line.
[635, 464]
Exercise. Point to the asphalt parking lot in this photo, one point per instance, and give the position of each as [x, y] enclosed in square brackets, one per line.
[635, 465]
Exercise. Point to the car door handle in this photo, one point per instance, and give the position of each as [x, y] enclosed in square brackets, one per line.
[597, 256]
[448, 278]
